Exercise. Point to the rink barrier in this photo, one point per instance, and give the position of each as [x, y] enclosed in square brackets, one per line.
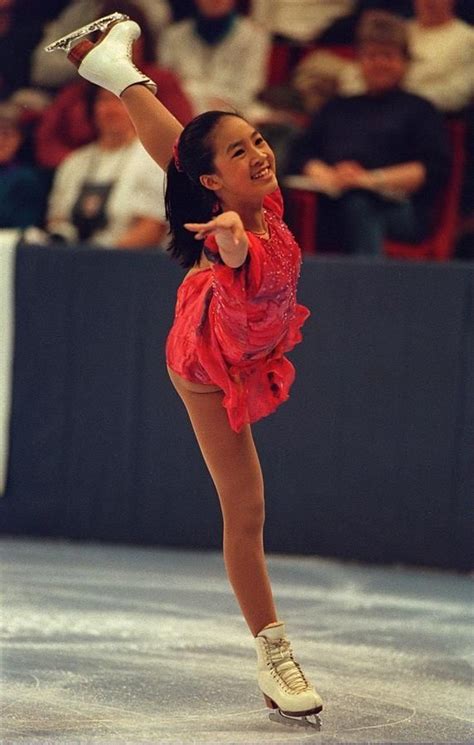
[371, 459]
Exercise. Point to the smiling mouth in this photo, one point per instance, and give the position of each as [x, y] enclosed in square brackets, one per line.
[262, 173]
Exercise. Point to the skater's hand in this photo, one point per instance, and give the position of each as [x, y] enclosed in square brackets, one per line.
[230, 236]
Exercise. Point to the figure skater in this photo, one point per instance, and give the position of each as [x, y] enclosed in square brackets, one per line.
[236, 316]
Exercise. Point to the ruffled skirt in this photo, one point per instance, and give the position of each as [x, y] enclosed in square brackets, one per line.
[254, 385]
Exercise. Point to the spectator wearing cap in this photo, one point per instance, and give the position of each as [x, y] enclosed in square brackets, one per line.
[441, 65]
[22, 188]
[380, 158]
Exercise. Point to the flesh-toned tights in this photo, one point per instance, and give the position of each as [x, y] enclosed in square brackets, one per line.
[233, 463]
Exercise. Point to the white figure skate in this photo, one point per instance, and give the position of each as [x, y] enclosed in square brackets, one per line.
[108, 62]
[285, 688]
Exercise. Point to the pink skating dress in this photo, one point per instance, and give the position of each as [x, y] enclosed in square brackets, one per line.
[232, 327]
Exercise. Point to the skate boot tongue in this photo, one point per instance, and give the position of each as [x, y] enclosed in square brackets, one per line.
[273, 632]
[280, 653]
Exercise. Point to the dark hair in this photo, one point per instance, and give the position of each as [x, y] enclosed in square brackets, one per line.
[186, 199]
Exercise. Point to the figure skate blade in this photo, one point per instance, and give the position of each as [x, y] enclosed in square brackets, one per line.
[312, 721]
[66, 43]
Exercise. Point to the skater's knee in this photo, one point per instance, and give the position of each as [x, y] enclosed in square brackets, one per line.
[246, 519]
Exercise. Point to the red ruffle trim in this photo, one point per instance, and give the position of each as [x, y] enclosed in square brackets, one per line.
[255, 388]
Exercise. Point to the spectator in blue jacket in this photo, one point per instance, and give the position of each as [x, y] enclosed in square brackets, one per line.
[22, 186]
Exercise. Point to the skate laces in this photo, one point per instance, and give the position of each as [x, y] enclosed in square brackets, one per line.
[283, 663]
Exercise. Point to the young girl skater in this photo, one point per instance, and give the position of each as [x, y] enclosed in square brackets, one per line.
[236, 316]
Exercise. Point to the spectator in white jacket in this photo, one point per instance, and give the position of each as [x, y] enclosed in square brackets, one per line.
[109, 193]
[298, 20]
[220, 56]
[442, 50]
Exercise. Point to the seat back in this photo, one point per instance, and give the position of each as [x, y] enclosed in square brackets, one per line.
[439, 246]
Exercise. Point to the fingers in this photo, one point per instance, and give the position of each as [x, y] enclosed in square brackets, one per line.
[201, 229]
[225, 223]
[195, 226]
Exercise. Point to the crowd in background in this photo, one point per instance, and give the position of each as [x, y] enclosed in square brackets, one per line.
[355, 96]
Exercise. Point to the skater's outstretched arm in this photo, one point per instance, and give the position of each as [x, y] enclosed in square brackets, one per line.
[156, 127]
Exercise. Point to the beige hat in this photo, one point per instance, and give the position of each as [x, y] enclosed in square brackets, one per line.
[382, 27]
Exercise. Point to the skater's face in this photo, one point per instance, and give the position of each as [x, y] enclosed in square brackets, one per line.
[244, 162]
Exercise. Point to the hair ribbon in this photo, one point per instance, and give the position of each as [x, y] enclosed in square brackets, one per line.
[177, 162]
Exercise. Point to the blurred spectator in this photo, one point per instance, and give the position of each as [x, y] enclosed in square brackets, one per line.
[379, 158]
[323, 74]
[109, 193]
[54, 70]
[31, 103]
[22, 190]
[442, 48]
[298, 20]
[342, 31]
[330, 69]
[66, 124]
[441, 67]
[220, 56]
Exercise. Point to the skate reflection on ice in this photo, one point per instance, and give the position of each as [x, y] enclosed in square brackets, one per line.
[309, 722]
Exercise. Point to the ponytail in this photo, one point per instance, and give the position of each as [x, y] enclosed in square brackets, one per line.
[186, 199]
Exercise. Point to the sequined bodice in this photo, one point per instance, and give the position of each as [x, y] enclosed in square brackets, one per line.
[256, 309]
[280, 267]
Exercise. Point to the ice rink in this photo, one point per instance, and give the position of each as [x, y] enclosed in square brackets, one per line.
[114, 644]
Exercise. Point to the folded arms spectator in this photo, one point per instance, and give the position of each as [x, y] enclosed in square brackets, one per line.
[380, 158]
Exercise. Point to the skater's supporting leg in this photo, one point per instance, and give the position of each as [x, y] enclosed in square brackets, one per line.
[233, 463]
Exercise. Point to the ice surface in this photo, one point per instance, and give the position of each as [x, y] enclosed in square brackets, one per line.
[107, 644]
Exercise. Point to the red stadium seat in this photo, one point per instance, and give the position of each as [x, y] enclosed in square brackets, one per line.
[279, 63]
